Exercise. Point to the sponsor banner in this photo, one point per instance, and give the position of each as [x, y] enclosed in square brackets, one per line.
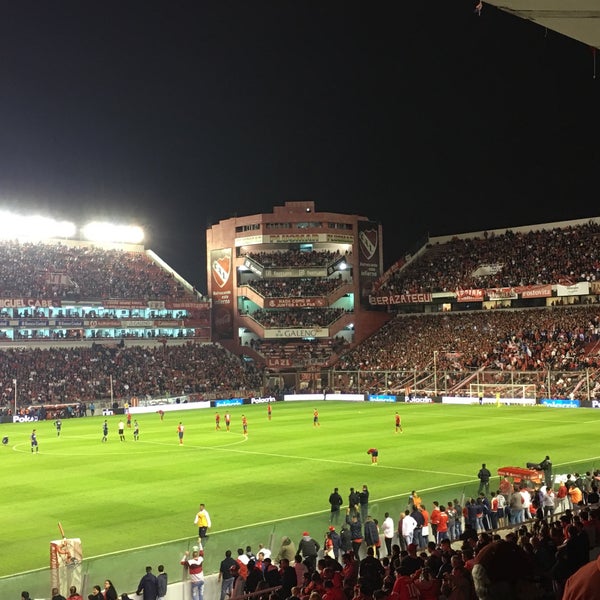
[308, 238]
[67, 322]
[253, 266]
[248, 240]
[560, 403]
[102, 323]
[262, 400]
[578, 289]
[380, 398]
[595, 403]
[279, 362]
[474, 295]
[229, 402]
[346, 397]
[165, 323]
[23, 418]
[66, 557]
[507, 293]
[535, 291]
[124, 304]
[297, 397]
[197, 306]
[295, 302]
[275, 272]
[28, 303]
[416, 400]
[156, 304]
[34, 322]
[273, 334]
[390, 299]
[507, 401]
[135, 323]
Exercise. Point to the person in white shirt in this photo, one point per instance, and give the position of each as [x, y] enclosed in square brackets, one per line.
[548, 502]
[501, 510]
[526, 502]
[387, 528]
[408, 527]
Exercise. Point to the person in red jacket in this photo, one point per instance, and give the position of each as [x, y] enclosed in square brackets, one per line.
[194, 568]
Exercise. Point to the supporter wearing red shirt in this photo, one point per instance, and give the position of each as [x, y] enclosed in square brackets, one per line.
[442, 528]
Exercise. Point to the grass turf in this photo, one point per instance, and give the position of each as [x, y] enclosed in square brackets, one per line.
[122, 495]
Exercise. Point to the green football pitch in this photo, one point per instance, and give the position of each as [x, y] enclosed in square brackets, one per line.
[122, 496]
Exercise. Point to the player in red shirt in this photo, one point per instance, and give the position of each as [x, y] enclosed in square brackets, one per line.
[374, 454]
[398, 423]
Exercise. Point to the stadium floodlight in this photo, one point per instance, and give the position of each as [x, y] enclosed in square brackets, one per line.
[19, 227]
[109, 232]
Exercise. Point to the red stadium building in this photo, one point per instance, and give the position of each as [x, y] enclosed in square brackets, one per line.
[290, 289]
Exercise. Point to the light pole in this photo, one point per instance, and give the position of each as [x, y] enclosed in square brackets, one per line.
[435, 385]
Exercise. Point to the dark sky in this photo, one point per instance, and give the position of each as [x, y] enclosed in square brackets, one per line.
[177, 114]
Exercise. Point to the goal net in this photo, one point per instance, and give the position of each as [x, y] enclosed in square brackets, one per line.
[502, 390]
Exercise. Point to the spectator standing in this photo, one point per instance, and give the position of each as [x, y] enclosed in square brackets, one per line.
[202, 519]
[355, 526]
[548, 503]
[434, 519]
[546, 466]
[148, 585]
[442, 527]
[162, 582]
[336, 542]
[353, 501]
[371, 533]
[484, 476]
[226, 577]
[309, 549]
[335, 502]
[364, 503]
[562, 498]
[286, 550]
[387, 528]
[408, 527]
[193, 565]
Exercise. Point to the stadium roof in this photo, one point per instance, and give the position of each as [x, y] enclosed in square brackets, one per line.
[577, 19]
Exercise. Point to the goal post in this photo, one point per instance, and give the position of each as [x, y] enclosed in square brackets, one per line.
[502, 391]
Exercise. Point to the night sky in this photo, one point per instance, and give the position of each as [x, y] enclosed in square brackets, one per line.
[177, 114]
